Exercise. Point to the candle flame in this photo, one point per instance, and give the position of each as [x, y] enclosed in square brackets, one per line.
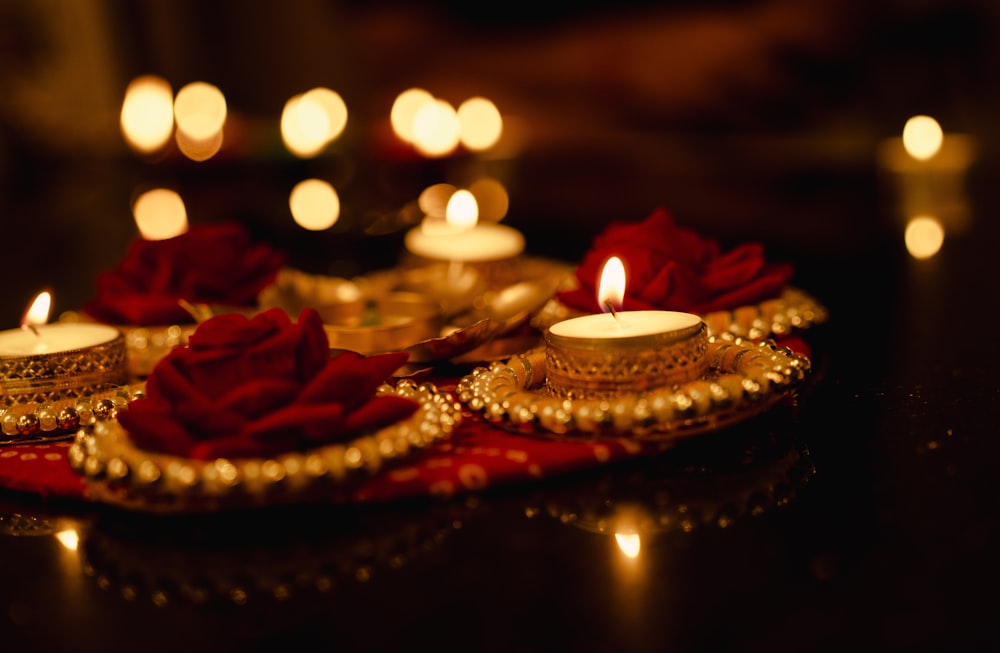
[462, 210]
[38, 311]
[611, 291]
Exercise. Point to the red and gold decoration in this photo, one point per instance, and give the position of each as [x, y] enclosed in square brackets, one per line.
[251, 383]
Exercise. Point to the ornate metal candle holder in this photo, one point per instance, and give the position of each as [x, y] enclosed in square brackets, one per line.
[578, 368]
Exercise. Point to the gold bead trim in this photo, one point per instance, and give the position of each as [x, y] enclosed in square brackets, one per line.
[49, 421]
[122, 474]
[743, 378]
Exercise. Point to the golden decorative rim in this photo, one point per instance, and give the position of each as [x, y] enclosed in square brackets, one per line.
[580, 368]
[47, 377]
[119, 473]
[744, 378]
[795, 310]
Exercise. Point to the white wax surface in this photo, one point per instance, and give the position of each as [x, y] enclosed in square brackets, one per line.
[53, 338]
[628, 324]
[484, 242]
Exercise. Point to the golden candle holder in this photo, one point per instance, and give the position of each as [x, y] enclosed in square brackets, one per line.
[48, 376]
[582, 367]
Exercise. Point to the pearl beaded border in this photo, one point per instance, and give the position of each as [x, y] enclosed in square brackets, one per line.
[121, 474]
[745, 377]
[30, 423]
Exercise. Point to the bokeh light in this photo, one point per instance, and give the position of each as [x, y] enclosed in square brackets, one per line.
[147, 115]
[924, 236]
[433, 201]
[480, 124]
[200, 111]
[922, 137]
[492, 198]
[404, 109]
[313, 120]
[436, 128]
[160, 214]
[315, 204]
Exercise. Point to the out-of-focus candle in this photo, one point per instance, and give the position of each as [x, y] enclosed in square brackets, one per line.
[927, 167]
[623, 351]
[461, 237]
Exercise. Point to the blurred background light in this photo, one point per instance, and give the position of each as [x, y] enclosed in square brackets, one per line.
[480, 124]
[404, 109]
[315, 204]
[922, 137]
[313, 120]
[492, 199]
[436, 128]
[924, 237]
[200, 111]
[160, 214]
[147, 115]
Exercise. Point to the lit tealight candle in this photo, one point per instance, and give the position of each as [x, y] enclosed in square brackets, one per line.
[623, 351]
[461, 237]
[43, 361]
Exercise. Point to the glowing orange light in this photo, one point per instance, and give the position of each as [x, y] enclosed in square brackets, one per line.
[924, 237]
[435, 128]
[433, 201]
[629, 544]
[160, 214]
[480, 123]
[315, 204]
[147, 115]
[404, 109]
[462, 210]
[38, 310]
[69, 538]
[492, 198]
[313, 120]
[922, 137]
[611, 289]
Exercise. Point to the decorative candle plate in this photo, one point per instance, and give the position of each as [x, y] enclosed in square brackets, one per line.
[743, 379]
[119, 473]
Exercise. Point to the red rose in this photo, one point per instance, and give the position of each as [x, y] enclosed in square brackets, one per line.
[208, 264]
[669, 267]
[260, 386]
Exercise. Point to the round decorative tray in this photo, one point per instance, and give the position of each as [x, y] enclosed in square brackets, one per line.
[744, 378]
[119, 473]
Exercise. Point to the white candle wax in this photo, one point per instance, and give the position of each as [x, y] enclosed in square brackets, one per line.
[483, 242]
[623, 325]
[54, 338]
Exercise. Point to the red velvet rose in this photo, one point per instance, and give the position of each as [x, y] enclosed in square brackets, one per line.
[260, 386]
[669, 267]
[208, 264]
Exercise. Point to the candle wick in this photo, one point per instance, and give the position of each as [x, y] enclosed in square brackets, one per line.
[31, 327]
[611, 308]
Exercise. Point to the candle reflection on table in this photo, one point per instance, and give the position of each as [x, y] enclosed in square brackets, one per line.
[927, 169]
